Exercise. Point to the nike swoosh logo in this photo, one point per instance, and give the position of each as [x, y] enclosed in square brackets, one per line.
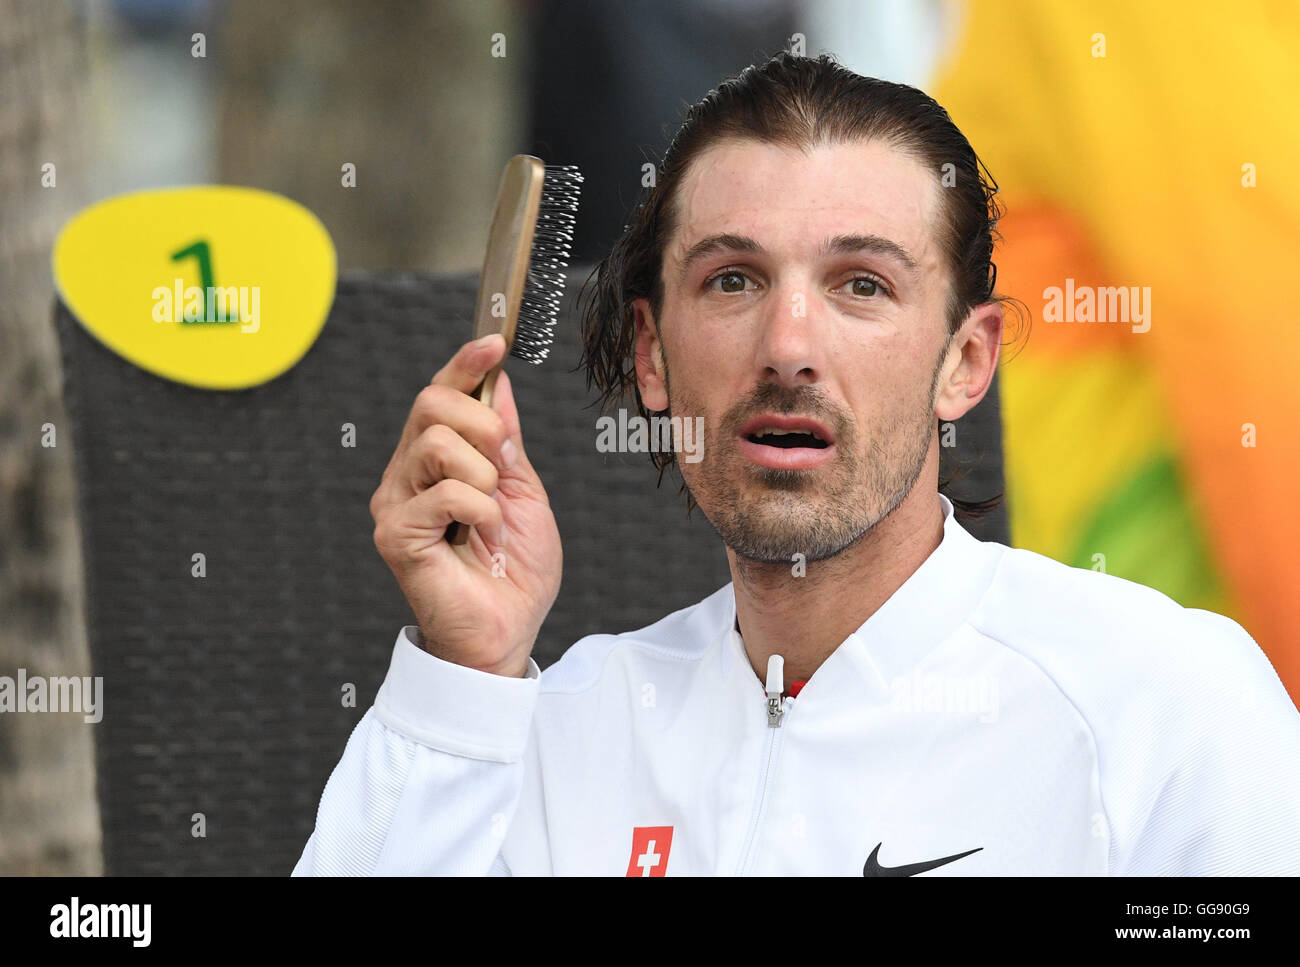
[872, 866]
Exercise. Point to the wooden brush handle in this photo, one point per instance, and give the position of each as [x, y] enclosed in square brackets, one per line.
[505, 271]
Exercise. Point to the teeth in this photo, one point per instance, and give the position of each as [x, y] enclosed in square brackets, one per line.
[772, 431]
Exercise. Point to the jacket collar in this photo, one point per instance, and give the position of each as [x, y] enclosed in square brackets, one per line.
[925, 610]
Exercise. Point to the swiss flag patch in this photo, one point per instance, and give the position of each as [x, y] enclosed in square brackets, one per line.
[650, 846]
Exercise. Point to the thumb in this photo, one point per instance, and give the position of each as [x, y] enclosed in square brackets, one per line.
[503, 401]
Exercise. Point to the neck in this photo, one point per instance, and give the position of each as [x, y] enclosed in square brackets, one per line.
[804, 619]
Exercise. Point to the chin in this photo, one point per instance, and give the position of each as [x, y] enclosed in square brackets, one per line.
[785, 526]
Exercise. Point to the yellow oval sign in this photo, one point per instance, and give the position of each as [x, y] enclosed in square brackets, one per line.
[213, 286]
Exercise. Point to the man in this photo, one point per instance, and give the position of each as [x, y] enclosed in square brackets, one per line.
[876, 692]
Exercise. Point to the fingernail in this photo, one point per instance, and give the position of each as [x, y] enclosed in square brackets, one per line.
[483, 342]
[508, 454]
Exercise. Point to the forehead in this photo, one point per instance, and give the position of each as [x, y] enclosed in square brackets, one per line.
[790, 200]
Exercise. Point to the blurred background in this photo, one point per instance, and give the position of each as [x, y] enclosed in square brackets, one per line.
[1151, 145]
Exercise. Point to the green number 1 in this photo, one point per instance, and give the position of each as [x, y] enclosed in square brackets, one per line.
[203, 254]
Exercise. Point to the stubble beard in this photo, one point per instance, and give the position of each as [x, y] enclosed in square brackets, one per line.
[768, 516]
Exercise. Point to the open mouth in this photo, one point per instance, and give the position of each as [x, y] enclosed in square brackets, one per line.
[781, 442]
[787, 439]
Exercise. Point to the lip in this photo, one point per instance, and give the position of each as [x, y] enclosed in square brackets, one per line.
[765, 420]
[785, 458]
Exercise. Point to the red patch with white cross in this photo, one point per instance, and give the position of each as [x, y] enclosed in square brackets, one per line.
[650, 846]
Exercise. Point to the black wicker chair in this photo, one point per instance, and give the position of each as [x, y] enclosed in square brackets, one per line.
[223, 695]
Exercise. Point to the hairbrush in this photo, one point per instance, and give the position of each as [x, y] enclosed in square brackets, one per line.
[522, 284]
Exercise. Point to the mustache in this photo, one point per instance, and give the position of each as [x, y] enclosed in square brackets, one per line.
[804, 401]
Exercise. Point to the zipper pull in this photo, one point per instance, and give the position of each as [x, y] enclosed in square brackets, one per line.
[775, 685]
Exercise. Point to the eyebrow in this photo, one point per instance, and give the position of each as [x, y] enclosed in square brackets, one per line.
[839, 245]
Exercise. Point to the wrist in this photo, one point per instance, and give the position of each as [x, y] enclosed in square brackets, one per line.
[509, 668]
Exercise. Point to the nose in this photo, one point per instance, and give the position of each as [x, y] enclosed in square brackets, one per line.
[792, 343]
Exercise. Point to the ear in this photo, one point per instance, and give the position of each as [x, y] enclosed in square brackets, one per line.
[970, 363]
[649, 359]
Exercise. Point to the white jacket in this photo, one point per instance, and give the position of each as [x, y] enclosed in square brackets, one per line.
[1037, 718]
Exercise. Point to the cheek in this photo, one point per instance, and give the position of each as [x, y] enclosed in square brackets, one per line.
[887, 391]
[705, 365]
[695, 391]
[911, 361]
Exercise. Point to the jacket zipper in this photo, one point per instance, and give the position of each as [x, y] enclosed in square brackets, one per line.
[777, 709]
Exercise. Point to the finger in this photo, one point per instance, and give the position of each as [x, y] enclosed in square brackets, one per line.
[422, 521]
[503, 403]
[457, 500]
[462, 374]
[475, 421]
[440, 453]
[465, 370]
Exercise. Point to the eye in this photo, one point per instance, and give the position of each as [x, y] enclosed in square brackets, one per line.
[730, 279]
[867, 286]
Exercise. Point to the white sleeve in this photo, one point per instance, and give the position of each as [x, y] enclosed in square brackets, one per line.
[431, 775]
[1229, 804]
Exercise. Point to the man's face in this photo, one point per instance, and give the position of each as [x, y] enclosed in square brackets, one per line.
[804, 287]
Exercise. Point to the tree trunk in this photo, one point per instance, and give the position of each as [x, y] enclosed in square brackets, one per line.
[411, 94]
[49, 817]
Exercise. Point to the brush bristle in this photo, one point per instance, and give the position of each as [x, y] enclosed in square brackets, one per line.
[552, 240]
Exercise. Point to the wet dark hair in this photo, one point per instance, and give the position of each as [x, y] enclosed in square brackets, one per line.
[799, 102]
